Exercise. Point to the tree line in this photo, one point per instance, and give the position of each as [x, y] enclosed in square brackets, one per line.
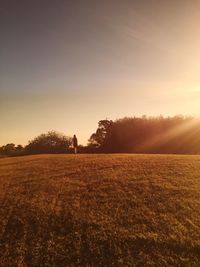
[177, 134]
[180, 135]
[49, 143]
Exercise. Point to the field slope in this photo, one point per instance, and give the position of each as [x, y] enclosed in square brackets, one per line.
[100, 210]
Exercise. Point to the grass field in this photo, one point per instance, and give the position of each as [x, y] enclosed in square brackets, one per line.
[100, 210]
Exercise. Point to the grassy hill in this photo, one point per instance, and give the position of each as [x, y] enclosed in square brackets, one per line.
[100, 210]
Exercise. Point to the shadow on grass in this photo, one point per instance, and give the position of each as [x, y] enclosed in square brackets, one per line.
[39, 239]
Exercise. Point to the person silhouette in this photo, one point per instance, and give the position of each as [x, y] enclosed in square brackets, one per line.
[75, 143]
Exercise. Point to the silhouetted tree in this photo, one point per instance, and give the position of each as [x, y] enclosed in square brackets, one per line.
[18, 147]
[52, 142]
[100, 139]
[8, 149]
[11, 150]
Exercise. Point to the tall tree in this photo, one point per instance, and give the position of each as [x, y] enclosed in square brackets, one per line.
[101, 137]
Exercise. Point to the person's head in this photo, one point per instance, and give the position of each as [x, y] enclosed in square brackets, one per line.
[74, 136]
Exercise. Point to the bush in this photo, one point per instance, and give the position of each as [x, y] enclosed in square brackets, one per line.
[50, 143]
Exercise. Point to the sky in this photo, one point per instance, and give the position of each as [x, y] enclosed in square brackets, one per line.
[65, 65]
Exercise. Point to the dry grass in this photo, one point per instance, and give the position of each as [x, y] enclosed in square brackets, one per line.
[100, 210]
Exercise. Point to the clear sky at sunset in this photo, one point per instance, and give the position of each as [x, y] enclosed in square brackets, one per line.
[64, 65]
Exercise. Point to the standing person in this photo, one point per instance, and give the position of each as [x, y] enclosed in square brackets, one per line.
[75, 143]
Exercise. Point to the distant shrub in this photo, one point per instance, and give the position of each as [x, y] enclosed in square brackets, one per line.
[11, 150]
